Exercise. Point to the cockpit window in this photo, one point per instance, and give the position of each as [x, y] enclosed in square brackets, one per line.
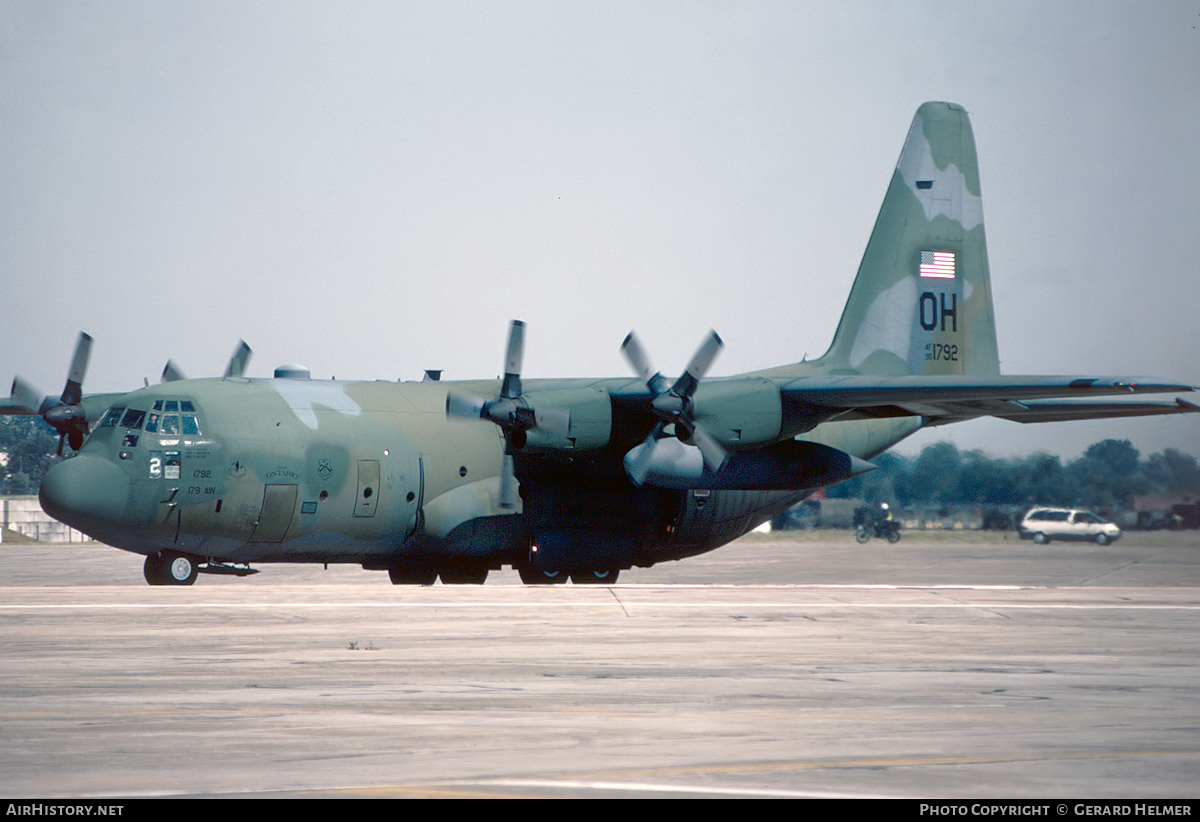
[112, 418]
[170, 418]
[133, 418]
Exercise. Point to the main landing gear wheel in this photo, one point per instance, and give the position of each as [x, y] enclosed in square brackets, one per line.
[170, 568]
[532, 577]
[594, 577]
[412, 576]
[463, 575]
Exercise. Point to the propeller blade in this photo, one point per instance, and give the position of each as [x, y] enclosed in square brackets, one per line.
[23, 398]
[713, 452]
[513, 357]
[636, 355]
[508, 482]
[464, 406]
[633, 351]
[669, 462]
[702, 360]
[235, 368]
[172, 372]
[239, 360]
[73, 391]
[638, 459]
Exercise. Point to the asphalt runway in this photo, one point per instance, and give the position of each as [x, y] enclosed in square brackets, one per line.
[947, 666]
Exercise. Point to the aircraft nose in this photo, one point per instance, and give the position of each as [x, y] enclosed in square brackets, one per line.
[86, 492]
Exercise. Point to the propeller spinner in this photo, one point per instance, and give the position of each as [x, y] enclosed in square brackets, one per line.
[510, 411]
[674, 407]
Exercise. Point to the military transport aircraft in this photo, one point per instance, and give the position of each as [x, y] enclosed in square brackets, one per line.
[562, 478]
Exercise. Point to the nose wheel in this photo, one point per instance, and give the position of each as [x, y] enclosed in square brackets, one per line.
[170, 568]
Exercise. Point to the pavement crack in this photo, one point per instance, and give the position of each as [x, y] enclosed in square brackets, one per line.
[624, 610]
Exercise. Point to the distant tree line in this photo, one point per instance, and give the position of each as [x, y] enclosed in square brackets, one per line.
[32, 446]
[1105, 476]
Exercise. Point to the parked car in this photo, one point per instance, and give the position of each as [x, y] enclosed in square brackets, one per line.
[1044, 524]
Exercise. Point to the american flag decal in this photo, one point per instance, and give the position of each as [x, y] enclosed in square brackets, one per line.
[937, 265]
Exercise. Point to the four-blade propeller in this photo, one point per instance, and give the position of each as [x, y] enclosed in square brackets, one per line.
[674, 407]
[66, 416]
[510, 411]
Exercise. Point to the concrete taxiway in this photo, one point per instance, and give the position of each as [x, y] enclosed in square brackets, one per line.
[945, 666]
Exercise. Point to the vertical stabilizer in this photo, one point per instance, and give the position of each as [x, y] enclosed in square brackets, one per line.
[922, 300]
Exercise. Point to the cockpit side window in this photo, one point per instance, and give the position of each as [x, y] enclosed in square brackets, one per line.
[112, 417]
[133, 418]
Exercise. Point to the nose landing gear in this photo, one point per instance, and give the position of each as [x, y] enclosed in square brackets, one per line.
[170, 568]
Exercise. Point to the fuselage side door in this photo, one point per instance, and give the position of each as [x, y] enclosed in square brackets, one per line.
[279, 505]
[368, 488]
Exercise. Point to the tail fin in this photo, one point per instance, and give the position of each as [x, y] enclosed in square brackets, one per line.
[922, 300]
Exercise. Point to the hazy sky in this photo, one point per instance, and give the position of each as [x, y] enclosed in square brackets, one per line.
[372, 189]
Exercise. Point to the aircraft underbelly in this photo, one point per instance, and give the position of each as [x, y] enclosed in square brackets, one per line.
[710, 519]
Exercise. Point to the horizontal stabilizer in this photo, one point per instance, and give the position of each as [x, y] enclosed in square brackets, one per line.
[1066, 411]
[945, 399]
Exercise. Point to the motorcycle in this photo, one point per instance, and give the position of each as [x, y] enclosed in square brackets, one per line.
[884, 529]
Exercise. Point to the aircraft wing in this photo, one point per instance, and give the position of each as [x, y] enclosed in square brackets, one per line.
[946, 399]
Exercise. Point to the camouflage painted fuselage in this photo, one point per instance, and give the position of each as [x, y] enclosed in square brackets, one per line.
[373, 472]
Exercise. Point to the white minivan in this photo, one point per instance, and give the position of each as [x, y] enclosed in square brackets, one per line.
[1044, 524]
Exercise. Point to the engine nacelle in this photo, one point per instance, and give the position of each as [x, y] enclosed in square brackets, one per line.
[791, 465]
[591, 419]
[740, 411]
